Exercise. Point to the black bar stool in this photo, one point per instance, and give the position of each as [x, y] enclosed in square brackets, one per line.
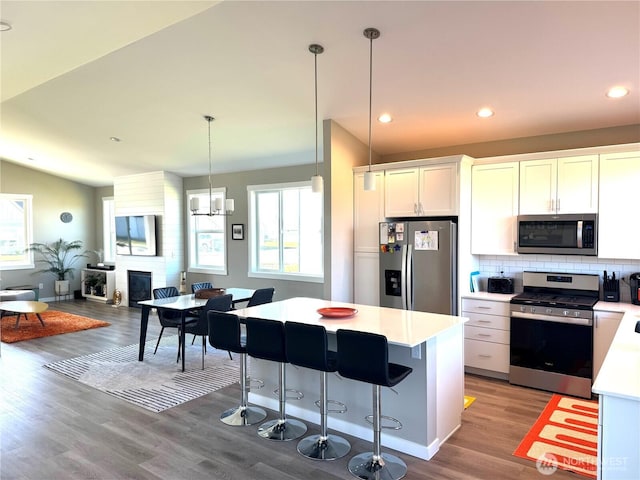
[365, 357]
[307, 347]
[266, 340]
[224, 334]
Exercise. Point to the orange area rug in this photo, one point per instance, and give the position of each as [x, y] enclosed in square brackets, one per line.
[565, 436]
[55, 324]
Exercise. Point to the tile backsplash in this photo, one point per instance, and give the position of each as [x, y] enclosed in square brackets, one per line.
[513, 266]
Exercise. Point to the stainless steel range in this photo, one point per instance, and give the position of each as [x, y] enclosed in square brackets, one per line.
[552, 332]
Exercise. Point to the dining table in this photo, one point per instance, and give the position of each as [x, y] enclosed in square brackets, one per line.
[185, 305]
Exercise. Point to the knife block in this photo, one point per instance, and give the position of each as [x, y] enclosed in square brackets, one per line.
[611, 290]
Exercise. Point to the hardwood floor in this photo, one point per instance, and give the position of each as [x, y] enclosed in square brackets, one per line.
[55, 428]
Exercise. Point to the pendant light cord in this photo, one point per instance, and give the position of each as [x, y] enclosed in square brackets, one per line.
[315, 61]
[370, 93]
[209, 119]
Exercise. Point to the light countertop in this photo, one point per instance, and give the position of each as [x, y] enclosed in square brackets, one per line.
[496, 297]
[401, 327]
[619, 375]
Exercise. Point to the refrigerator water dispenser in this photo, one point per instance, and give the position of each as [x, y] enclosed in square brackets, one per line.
[393, 283]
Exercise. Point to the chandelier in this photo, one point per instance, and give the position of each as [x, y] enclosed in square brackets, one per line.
[215, 205]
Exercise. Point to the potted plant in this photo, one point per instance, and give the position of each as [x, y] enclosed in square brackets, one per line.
[59, 257]
[92, 282]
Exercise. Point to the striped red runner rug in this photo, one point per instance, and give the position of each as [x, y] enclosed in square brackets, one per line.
[565, 436]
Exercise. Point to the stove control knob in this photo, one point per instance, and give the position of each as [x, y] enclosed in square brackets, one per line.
[565, 312]
[549, 311]
[523, 308]
[533, 309]
[576, 313]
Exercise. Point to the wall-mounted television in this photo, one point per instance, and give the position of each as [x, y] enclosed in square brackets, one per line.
[136, 235]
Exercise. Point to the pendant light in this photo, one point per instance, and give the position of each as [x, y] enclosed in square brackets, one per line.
[215, 207]
[369, 176]
[317, 183]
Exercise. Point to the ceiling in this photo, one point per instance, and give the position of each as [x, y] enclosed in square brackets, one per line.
[75, 73]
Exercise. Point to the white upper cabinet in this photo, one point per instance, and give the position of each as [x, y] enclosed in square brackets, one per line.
[422, 191]
[619, 227]
[368, 211]
[559, 185]
[494, 208]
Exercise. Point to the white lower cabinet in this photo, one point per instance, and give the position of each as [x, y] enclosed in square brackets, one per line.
[486, 335]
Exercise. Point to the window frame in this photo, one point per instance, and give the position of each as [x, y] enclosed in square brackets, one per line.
[191, 222]
[253, 229]
[28, 258]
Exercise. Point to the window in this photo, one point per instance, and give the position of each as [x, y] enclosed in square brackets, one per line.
[16, 227]
[108, 229]
[285, 232]
[207, 239]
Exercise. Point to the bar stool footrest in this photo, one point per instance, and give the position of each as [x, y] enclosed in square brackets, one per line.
[397, 424]
[342, 407]
[295, 394]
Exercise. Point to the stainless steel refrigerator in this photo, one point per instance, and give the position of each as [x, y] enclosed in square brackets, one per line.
[418, 266]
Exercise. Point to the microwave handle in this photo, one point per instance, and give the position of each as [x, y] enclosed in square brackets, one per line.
[579, 234]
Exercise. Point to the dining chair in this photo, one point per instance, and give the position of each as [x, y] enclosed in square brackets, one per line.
[221, 303]
[200, 286]
[260, 296]
[168, 318]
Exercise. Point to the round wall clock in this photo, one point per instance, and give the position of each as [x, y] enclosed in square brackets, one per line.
[66, 217]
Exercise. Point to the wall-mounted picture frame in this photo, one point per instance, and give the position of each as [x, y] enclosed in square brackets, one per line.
[237, 231]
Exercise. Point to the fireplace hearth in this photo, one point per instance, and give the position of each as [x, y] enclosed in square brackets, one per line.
[139, 284]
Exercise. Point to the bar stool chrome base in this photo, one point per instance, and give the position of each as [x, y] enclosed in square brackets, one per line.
[385, 467]
[241, 416]
[282, 430]
[318, 447]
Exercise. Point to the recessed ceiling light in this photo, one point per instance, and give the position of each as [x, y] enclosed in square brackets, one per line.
[31, 159]
[385, 118]
[114, 139]
[4, 26]
[617, 92]
[485, 112]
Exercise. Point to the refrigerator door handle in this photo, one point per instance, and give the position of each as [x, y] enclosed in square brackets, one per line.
[408, 278]
[403, 277]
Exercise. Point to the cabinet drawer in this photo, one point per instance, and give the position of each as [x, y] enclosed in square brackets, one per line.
[486, 355]
[485, 306]
[488, 321]
[486, 334]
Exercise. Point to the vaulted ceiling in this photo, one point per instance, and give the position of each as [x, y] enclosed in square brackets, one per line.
[76, 73]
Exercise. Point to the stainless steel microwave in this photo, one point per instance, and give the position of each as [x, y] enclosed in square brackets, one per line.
[565, 234]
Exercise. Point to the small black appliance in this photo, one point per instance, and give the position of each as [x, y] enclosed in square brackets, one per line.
[634, 282]
[500, 285]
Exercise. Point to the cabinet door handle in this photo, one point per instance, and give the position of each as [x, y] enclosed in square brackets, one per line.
[484, 355]
[415, 208]
[484, 335]
[484, 321]
[558, 205]
[481, 307]
[553, 204]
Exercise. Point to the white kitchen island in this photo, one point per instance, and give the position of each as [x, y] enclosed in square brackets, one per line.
[429, 402]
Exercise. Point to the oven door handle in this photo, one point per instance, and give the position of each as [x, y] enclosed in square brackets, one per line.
[547, 318]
